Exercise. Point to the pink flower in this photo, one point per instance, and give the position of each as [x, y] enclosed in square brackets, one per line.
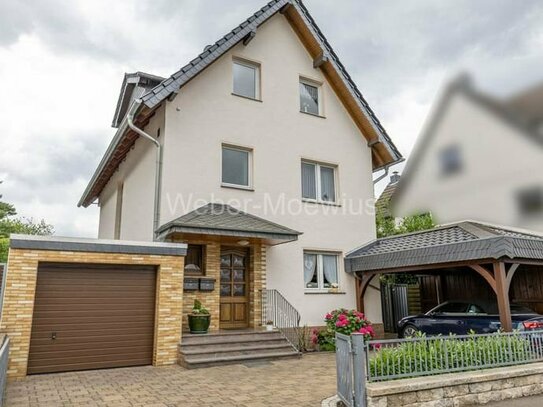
[376, 346]
[314, 339]
[363, 331]
[328, 316]
[342, 317]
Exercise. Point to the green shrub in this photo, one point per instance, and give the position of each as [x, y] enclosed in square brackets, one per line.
[4, 248]
[450, 354]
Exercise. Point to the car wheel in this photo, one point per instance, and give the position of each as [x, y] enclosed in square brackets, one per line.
[409, 331]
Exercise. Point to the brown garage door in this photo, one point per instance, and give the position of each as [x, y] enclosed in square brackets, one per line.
[92, 317]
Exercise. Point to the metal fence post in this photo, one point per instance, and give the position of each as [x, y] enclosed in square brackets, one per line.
[359, 370]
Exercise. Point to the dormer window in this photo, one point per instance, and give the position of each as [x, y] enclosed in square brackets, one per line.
[246, 79]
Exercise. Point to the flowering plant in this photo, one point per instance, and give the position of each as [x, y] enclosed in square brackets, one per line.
[345, 322]
[348, 322]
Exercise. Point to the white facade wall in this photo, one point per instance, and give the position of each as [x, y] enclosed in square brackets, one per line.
[205, 114]
[498, 161]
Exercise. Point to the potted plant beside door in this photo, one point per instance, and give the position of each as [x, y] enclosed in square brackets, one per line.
[199, 319]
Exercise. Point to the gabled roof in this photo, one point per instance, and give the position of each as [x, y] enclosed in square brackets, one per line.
[502, 110]
[382, 204]
[215, 51]
[384, 152]
[224, 220]
[461, 241]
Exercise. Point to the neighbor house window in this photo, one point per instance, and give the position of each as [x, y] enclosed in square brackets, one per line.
[194, 259]
[318, 182]
[309, 97]
[320, 270]
[246, 79]
[450, 160]
[236, 166]
[530, 201]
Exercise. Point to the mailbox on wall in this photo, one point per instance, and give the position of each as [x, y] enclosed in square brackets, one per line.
[190, 284]
[207, 284]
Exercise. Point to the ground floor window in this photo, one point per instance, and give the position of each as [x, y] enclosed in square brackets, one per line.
[320, 270]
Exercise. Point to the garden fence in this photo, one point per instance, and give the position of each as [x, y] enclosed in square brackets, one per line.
[360, 361]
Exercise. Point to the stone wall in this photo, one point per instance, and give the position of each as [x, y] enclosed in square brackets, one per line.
[18, 304]
[459, 389]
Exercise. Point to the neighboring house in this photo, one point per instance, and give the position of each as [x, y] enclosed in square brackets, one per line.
[382, 204]
[267, 117]
[478, 158]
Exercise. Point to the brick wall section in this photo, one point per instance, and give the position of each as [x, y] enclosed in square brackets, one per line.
[20, 289]
[257, 283]
[211, 299]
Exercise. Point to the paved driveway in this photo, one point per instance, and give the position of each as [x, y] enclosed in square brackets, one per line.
[295, 382]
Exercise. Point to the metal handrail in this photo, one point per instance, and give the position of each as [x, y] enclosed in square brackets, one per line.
[282, 313]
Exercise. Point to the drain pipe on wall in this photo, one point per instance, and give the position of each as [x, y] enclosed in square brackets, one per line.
[158, 169]
[383, 175]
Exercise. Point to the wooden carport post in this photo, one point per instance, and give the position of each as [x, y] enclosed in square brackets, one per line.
[502, 294]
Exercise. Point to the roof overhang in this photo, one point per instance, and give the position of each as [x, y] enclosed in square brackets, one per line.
[485, 245]
[32, 242]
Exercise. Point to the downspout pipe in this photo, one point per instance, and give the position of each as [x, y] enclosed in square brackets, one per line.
[158, 164]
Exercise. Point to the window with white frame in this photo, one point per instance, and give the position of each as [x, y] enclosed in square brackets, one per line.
[310, 97]
[236, 166]
[246, 79]
[320, 270]
[318, 182]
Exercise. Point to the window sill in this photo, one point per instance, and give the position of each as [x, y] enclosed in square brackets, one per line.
[314, 201]
[234, 186]
[311, 292]
[247, 97]
[313, 114]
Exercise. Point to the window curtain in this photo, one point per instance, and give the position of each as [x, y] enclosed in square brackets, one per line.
[327, 184]
[329, 265]
[310, 267]
[308, 181]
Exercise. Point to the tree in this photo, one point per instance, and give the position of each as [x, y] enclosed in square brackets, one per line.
[11, 224]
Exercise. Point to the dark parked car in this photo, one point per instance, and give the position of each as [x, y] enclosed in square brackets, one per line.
[462, 316]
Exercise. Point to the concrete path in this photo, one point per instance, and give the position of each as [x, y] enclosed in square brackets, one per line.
[294, 382]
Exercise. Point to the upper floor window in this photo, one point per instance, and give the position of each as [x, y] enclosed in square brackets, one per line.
[318, 182]
[530, 201]
[310, 97]
[320, 270]
[450, 160]
[246, 79]
[236, 166]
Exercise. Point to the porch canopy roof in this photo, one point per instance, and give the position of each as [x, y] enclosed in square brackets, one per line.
[494, 252]
[225, 220]
[453, 243]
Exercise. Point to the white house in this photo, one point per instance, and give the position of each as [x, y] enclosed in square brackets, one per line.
[267, 150]
[478, 157]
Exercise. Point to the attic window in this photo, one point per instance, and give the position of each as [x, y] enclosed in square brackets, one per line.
[309, 97]
[246, 79]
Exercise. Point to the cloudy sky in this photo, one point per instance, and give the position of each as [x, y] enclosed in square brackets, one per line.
[62, 62]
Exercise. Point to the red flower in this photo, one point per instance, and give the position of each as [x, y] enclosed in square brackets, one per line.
[328, 316]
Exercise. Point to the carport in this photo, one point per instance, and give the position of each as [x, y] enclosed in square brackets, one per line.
[495, 253]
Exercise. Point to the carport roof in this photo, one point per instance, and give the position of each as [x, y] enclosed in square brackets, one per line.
[224, 220]
[456, 242]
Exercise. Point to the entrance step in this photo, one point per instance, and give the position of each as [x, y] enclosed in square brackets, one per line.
[233, 347]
